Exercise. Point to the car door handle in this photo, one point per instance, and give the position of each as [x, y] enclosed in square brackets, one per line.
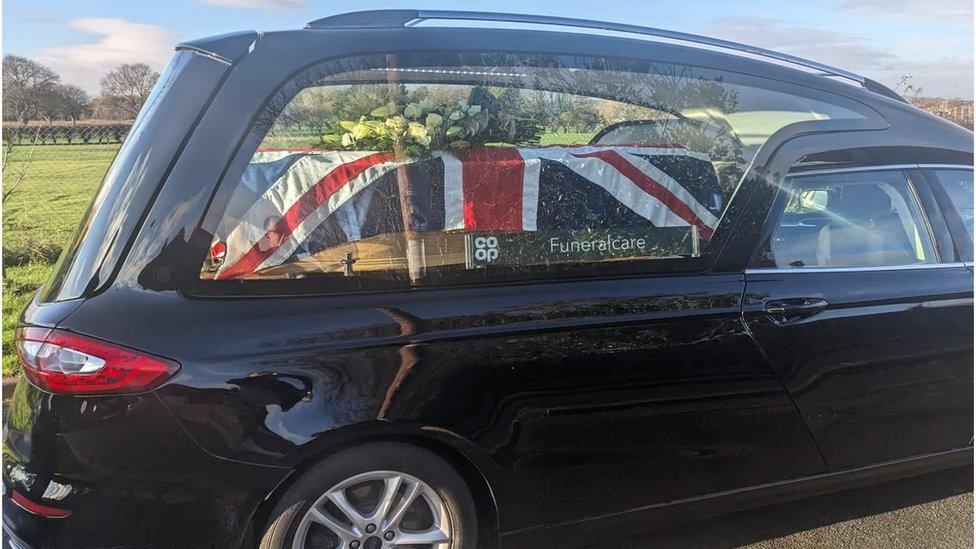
[787, 310]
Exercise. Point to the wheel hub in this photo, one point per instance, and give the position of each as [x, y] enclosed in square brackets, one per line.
[378, 510]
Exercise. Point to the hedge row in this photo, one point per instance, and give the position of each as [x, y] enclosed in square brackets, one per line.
[66, 134]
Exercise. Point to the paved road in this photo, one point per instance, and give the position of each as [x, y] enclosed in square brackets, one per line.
[932, 511]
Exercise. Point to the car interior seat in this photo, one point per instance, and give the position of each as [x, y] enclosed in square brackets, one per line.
[863, 230]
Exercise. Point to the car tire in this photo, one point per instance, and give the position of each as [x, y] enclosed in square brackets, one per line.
[288, 521]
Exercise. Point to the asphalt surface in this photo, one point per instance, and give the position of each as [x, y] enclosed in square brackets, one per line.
[931, 511]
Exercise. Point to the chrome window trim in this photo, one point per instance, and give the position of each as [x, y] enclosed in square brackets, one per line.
[945, 166]
[910, 267]
[886, 167]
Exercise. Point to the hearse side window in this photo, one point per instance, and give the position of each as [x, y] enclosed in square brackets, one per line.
[857, 219]
[958, 185]
[428, 168]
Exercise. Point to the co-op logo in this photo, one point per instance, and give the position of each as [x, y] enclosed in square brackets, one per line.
[486, 248]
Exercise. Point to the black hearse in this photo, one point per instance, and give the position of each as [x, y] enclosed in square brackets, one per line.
[376, 283]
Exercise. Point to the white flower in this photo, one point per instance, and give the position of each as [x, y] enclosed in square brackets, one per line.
[434, 120]
[396, 124]
[347, 140]
[416, 130]
[412, 111]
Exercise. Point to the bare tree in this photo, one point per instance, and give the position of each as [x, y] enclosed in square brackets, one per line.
[25, 84]
[907, 88]
[49, 103]
[106, 108]
[127, 87]
[73, 102]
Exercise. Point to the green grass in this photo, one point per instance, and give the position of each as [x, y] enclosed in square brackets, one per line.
[565, 138]
[47, 191]
[19, 285]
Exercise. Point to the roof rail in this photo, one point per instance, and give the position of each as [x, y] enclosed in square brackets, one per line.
[373, 19]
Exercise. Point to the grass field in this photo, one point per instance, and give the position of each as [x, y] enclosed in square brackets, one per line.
[46, 191]
[565, 138]
[19, 285]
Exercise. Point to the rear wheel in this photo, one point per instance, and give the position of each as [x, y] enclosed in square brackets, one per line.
[375, 496]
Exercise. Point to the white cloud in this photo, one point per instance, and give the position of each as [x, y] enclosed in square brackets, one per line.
[938, 73]
[119, 42]
[271, 5]
[945, 11]
[828, 46]
[939, 76]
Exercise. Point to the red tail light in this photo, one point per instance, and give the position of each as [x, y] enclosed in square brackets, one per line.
[36, 508]
[68, 363]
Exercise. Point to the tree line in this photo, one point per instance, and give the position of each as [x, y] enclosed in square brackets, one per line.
[32, 91]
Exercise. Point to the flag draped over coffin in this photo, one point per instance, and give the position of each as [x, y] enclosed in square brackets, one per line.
[295, 202]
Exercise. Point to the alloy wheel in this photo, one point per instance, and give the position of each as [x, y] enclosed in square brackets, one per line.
[376, 510]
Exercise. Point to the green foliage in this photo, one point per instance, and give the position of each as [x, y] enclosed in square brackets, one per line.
[46, 191]
[425, 125]
[512, 120]
[19, 285]
[565, 138]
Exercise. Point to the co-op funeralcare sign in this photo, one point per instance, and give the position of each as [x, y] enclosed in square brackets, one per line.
[495, 248]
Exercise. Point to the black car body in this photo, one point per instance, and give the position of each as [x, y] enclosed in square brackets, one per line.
[569, 397]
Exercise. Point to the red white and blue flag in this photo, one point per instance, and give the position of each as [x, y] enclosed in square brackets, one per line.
[292, 203]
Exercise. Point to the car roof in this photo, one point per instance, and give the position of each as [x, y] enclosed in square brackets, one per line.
[712, 52]
[399, 18]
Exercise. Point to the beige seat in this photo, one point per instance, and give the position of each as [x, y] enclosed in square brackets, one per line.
[863, 231]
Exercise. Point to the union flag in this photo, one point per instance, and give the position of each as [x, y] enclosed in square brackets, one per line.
[293, 203]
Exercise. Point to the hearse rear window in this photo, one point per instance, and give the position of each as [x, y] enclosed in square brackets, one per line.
[424, 167]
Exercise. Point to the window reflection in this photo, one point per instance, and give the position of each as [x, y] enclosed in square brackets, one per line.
[851, 220]
[401, 166]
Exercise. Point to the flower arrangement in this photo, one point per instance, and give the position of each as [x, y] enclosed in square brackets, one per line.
[427, 125]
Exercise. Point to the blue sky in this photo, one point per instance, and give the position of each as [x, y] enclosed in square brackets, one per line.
[883, 39]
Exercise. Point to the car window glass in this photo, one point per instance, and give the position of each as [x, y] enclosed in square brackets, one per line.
[804, 201]
[860, 219]
[417, 167]
[98, 229]
[958, 185]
